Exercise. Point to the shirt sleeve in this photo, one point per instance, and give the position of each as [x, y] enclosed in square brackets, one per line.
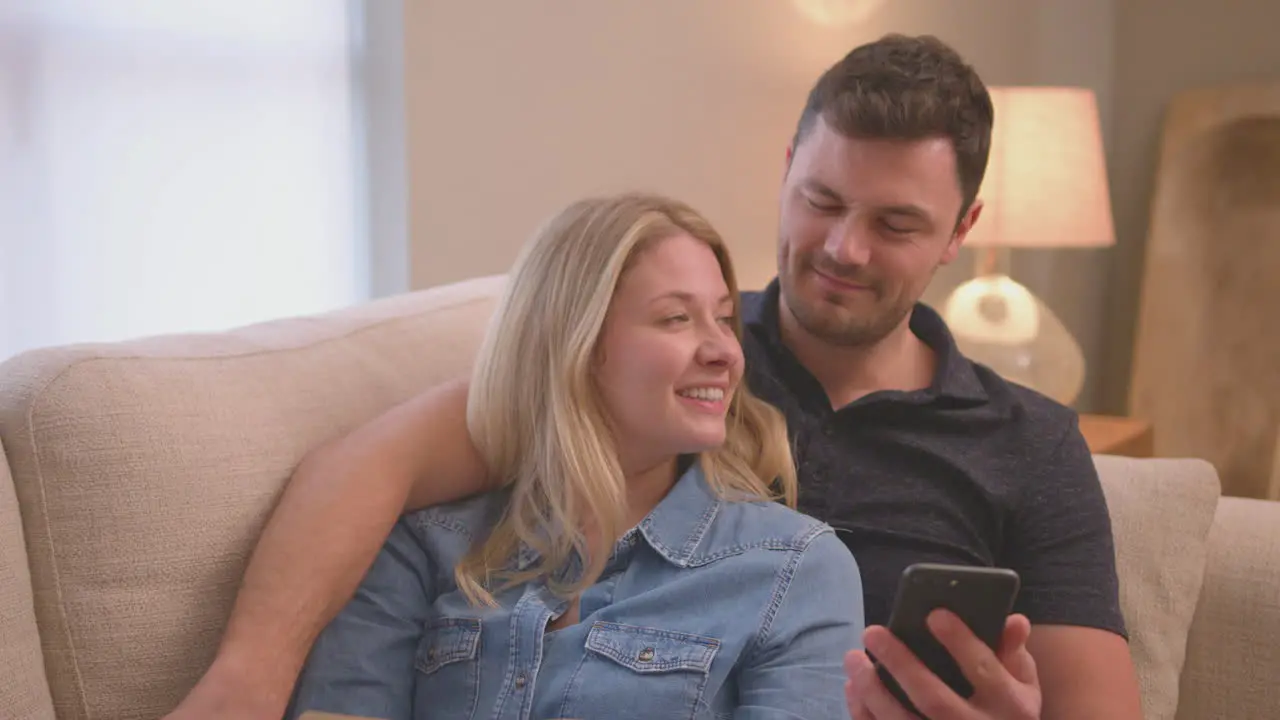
[796, 669]
[362, 664]
[1061, 545]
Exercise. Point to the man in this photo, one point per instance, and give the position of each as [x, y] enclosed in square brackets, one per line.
[911, 451]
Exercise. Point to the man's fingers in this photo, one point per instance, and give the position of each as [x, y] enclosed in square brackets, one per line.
[1022, 666]
[854, 662]
[858, 711]
[861, 673]
[926, 691]
[868, 698]
[882, 705]
[977, 661]
[1017, 630]
[1013, 650]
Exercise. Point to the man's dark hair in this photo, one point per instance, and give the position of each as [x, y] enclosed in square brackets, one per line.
[907, 88]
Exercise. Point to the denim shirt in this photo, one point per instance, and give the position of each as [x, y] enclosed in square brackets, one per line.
[707, 609]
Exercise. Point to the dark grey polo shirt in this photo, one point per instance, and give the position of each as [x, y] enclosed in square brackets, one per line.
[971, 470]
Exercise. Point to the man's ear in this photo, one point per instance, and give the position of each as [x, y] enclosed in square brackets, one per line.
[791, 153]
[963, 227]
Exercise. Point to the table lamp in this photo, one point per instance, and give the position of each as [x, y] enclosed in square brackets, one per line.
[1045, 187]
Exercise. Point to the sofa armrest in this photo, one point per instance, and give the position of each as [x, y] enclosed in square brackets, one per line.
[24, 688]
[1233, 649]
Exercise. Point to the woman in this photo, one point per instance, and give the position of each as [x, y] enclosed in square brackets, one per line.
[633, 563]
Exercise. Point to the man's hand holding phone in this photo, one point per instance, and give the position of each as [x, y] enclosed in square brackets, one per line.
[1005, 682]
[951, 651]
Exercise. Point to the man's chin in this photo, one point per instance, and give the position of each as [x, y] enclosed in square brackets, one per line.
[835, 318]
[825, 313]
[843, 304]
[840, 328]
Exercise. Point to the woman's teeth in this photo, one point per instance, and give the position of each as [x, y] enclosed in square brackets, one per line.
[707, 394]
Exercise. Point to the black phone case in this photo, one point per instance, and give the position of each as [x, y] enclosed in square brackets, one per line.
[982, 597]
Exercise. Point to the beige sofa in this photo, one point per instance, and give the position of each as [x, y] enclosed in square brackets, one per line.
[138, 475]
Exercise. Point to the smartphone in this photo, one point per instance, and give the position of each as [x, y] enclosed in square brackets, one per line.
[982, 597]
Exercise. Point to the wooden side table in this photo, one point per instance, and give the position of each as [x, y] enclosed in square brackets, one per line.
[1109, 435]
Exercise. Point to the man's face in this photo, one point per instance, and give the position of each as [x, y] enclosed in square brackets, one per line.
[864, 224]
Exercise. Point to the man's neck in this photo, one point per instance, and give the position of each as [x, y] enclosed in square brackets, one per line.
[898, 361]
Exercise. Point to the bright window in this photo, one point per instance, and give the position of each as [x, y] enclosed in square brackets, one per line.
[177, 166]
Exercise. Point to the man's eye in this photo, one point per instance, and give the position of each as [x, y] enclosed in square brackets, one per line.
[822, 207]
[895, 229]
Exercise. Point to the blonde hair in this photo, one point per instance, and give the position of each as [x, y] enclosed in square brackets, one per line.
[538, 419]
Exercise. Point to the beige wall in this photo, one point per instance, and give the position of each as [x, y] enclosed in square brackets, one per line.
[514, 112]
[515, 108]
[1162, 47]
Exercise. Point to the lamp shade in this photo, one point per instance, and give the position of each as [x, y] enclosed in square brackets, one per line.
[1046, 181]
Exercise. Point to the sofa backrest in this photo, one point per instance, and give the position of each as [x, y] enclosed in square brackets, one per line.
[146, 469]
[24, 693]
[1233, 650]
[1161, 514]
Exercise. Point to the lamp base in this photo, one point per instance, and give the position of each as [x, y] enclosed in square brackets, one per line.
[999, 323]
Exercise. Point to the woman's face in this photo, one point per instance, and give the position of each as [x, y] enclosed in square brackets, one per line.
[670, 362]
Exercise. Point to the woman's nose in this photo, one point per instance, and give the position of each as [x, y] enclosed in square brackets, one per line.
[720, 349]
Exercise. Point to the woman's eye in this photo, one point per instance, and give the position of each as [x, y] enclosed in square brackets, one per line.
[673, 319]
[727, 319]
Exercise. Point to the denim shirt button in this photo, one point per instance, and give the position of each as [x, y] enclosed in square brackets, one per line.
[521, 681]
[646, 655]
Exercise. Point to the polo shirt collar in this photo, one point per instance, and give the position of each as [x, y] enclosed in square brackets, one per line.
[954, 376]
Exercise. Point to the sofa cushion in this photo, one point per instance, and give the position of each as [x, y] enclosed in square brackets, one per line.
[1161, 512]
[1233, 651]
[24, 692]
[146, 469]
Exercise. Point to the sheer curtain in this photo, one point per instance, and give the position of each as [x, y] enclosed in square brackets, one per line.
[178, 165]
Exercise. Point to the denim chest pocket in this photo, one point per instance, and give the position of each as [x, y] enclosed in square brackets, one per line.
[448, 664]
[639, 672]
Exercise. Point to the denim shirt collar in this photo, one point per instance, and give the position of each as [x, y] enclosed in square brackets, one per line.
[674, 528]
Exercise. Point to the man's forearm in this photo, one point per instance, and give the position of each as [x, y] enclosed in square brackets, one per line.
[1085, 673]
[329, 525]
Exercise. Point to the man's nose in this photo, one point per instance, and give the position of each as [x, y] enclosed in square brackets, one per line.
[849, 243]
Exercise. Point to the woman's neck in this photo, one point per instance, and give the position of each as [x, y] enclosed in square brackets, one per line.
[646, 487]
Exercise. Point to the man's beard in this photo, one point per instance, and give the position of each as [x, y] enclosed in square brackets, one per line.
[838, 326]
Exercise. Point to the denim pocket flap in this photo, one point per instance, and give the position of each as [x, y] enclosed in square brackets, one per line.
[650, 650]
[448, 640]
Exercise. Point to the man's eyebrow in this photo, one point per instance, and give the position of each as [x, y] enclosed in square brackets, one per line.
[908, 209]
[914, 211]
[814, 186]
